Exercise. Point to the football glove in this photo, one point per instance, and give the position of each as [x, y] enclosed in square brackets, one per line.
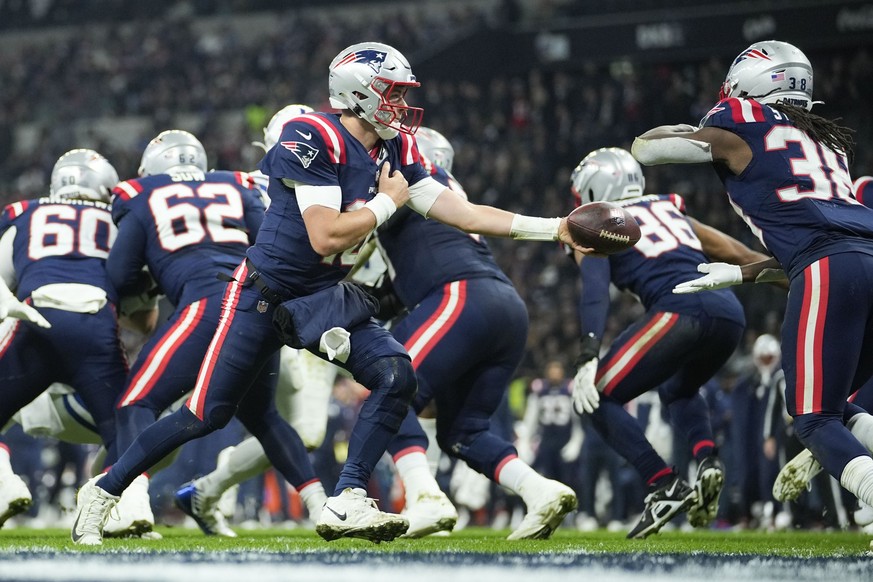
[586, 398]
[10, 306]
[718, 276]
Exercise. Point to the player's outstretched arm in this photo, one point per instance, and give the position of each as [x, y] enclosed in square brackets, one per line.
[683, 144]
[723, 247]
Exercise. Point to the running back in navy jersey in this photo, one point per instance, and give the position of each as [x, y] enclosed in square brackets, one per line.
[423, 254]
[667, 254]
[186, 227]
[60, 240]
[316, 150]
[795, 194]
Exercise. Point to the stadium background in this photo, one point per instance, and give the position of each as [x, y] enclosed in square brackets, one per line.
[523, 89]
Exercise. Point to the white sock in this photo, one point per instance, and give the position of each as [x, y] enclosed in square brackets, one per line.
[861, 425]
[433, 449]
[313, 497]
[515, 474]
[246, 461]
[857, 477]
[5, 462]
[414, 471]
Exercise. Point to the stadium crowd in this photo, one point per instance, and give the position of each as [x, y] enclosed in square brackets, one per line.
[516, 138]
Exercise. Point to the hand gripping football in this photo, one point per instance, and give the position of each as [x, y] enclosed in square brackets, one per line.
[603, 226]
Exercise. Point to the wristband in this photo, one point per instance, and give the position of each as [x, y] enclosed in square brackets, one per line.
[382, 206]
[534, 228]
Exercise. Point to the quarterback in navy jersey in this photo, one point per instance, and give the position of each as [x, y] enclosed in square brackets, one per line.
[333, 179]
[187, 227]
[677, 346]
[785, 171]
[53, 252]
[466, 332]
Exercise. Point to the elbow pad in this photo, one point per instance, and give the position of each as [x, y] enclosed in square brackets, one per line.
[671, 150]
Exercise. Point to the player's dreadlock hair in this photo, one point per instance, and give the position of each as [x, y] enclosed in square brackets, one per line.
[837, 137]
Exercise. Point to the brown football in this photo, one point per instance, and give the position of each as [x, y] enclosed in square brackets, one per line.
[603, 226]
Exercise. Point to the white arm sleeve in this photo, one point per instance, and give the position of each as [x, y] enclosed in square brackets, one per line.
[329, 196]
[671, 150]
[7, 270]
[423, 194]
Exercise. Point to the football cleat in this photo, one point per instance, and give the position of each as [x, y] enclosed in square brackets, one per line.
[546, 507]
[663, 504]
[708, 486]
[227, 502]
[93, 506]
[133, 515]
[796, 476]
[352, 514]
[430, 513]
[15, 498]
[203, 510]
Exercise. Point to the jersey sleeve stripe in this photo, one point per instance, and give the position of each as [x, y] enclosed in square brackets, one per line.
[336, 145]
[127, 190]
[678, 202]
[16, 209]
[409, 151]
[745, 111]
[862, 187]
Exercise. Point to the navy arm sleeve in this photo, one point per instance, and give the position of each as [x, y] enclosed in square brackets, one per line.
[594, 299]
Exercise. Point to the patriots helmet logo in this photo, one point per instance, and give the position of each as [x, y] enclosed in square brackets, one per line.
[304, 152]
[752, 53]
[373, 58]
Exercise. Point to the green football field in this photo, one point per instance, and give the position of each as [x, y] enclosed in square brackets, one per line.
[474, 555]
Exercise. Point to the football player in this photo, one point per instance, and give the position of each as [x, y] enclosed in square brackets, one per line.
[333, 179]
[53, 252]
[466, 332]
[785, 171]
[676, 347]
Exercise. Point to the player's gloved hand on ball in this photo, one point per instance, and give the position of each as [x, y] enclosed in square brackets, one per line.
[10, 306]
[586, 397]
[718, 276]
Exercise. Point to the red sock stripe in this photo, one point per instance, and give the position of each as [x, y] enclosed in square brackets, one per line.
[662, 473]
[407, 451]
[501, 465]
[702, 444]
[303, 486]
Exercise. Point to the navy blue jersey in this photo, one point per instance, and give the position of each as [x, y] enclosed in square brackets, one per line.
[795, 194]
[554, 411]
[667, 254]
[423, 255]
[60, 240]
[316, 150]
[186, 228]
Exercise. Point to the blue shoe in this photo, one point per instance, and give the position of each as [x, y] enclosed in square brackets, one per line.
[203, 511]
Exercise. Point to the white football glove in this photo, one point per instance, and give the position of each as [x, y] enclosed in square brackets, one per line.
[718, 276]
[586, 398]
[10, 306]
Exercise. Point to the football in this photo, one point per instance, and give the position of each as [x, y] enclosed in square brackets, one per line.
[603, 226]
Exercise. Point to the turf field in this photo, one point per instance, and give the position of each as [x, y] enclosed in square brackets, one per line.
[479, 555]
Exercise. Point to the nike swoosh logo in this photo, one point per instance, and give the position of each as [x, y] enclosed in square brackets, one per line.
[75, 533]
[304, 135]
[342, 516]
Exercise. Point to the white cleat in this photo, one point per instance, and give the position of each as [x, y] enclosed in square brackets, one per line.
[133, 515]
[93, 506]
[429, 514]
[204, 510]
[227, 502]
[352, 514]
[15, 498]
[796, 476]
[546, 507]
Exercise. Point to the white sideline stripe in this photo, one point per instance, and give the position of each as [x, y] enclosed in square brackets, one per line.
[441, 320]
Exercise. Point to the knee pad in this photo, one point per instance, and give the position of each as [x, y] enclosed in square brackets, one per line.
[392, 375]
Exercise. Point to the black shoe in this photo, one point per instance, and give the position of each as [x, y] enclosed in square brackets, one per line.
[662, 504]
[708, 486]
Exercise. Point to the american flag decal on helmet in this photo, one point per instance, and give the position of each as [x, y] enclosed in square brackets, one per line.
[370, 57]
[304, 152]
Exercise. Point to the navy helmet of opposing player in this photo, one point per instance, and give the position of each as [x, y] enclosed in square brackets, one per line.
[771, 71]
[363, 79]
[83, 173]
[274, 127]
[434, 146]
[173, 150]
[607, 174]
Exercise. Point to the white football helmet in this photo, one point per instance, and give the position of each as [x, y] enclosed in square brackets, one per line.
[362, 78]
[607, 175]
[434, 146]
[173, 150]
[771, 71]
[274, 128]
[83, 173]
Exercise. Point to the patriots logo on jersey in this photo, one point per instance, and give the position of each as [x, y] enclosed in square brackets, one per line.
[373, 59]
[304, 152]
